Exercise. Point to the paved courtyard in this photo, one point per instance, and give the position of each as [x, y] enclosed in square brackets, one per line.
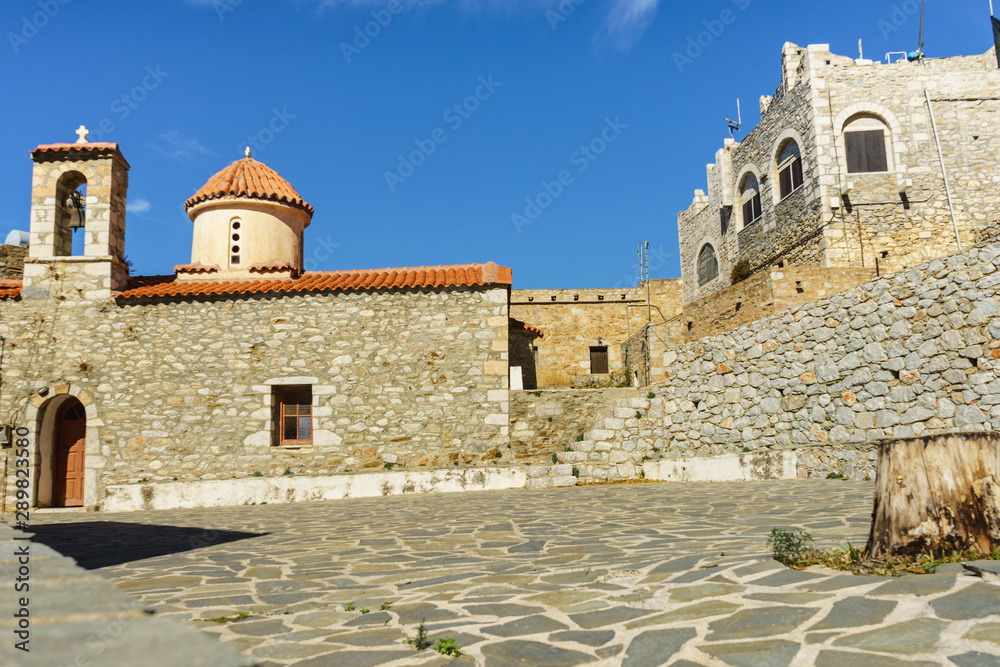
[649, 574]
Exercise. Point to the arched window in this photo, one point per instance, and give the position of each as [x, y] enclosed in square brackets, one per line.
[789, 169]
[72, 214]
[865, 144]
[708, 265]
[750, 198]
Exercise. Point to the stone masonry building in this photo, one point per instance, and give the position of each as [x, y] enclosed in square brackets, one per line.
[847, 170]
[240, 363]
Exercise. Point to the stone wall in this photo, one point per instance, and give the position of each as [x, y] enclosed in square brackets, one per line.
[767, 293]
[899, 218]
[913, 353]
[12, 261]
[543, 423]
[184, 388]
[573, 321]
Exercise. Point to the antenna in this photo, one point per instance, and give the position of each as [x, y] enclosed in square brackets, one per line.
[734, 125]
[920, 49]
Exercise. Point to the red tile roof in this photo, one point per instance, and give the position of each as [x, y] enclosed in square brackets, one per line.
[10, 289]
[249, 179]
[518, 325]
[197, 267]
[77, 148]
[272, 267]
[324, 281]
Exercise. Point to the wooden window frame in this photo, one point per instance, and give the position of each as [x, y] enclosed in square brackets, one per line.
[601, 350]
[789, 177]
[865, 153]
[281, 405]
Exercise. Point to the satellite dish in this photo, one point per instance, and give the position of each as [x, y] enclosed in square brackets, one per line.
[18, 238]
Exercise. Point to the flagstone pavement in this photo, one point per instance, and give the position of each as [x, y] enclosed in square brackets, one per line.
[649, 574]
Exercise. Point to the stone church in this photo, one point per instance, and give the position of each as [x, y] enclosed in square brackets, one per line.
[240, 363]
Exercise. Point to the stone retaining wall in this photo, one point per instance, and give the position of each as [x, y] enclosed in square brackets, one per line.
[914, 353]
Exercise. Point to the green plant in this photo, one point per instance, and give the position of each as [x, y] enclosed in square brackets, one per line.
[538, 393]
[550, 420]
[447, 647]
[555, 459]
[175, 479]
[789, 545]
[568, 449]
[388, 466]
[144, 481]
[746, 449]
[420, 642]
[230, 619]
[257, 473]
[579, 438]
[835, 475]
[386, 606]
[650, 395]
[97, 508]
[498, 455]
[576, 471]
[364, 610]
[264, 502]
[656, 449]
[288, 471]
[638, 415]
[740, 272]
[349, 606]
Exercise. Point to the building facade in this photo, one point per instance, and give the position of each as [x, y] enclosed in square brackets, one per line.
[848, 168]
[240, 363]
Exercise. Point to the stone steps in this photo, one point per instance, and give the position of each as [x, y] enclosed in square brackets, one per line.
[616, 447]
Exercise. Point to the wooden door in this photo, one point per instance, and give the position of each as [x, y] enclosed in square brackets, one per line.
[70, 444]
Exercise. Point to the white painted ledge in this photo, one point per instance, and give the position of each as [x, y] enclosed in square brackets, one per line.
[299, 488]
[762, 465]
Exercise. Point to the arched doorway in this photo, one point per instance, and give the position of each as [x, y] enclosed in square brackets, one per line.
[69, 440]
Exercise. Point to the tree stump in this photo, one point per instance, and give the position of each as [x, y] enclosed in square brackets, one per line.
[936, 493]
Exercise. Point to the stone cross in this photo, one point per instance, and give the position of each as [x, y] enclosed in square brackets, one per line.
[83, 132]
[248, 151]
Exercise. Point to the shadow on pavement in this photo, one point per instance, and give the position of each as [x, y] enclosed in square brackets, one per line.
[97, 544]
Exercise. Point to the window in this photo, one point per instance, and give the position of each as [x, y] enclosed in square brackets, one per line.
[750, 196]
[599, 360]
[234, 257]
[789, 169]
[866, 151]
[294, 416]
[865, 139]
[708, 265]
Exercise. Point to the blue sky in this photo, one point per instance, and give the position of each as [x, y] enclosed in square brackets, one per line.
[430, 139]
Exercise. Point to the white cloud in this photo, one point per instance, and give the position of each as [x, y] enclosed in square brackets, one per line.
[138, 205]
[178, 147]
[627, 21]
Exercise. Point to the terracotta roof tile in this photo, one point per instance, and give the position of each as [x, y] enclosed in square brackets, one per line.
[10, 289]
[249, 179]
[152, 287]
[93, 147]
[268, 267]
[519, 325]
[196, 268]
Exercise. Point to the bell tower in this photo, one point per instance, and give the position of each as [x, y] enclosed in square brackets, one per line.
[59, 209]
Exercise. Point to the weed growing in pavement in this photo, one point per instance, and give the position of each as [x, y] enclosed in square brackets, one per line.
[420, 642]
[386, 606]
[447, 647]
[835, 475]
[790, 549]
[349, 606]
[230, 619]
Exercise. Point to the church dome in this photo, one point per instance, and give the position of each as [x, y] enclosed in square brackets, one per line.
[249, 179]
